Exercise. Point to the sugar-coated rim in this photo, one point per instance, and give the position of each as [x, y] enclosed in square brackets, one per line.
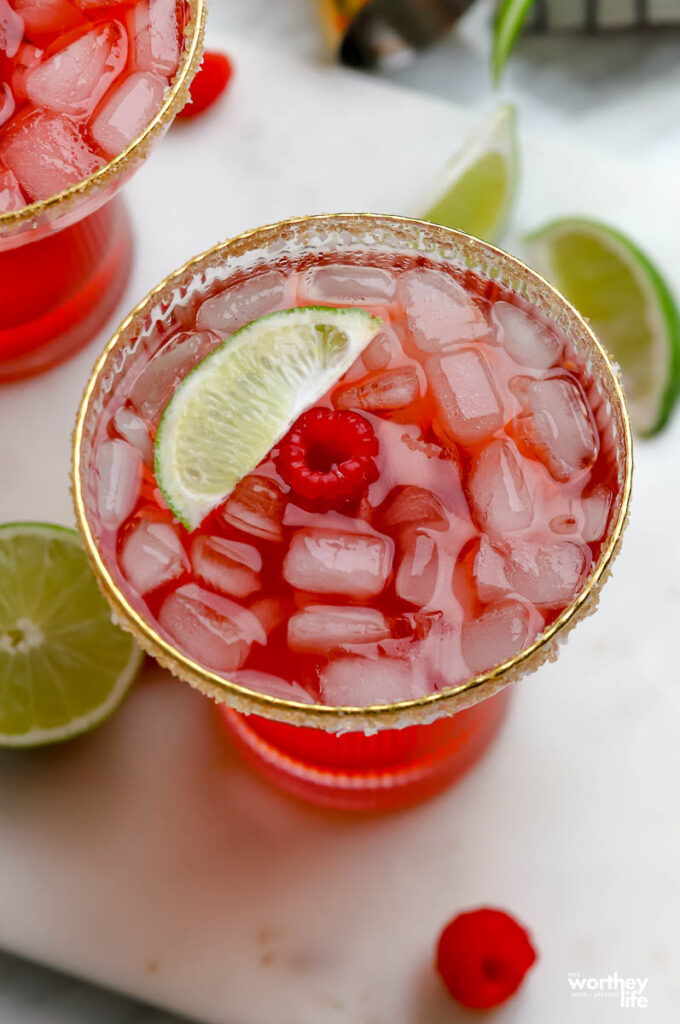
[55, 206]
[446, 701]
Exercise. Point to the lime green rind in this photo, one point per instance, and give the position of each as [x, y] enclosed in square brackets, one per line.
[78, 724]
[507, 27]
[478, 187]
[359, 322]
[651, 281]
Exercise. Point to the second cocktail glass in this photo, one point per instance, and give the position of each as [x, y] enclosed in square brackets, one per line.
[83, 101]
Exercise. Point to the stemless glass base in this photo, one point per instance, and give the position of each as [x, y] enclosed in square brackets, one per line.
[57, 293]
[355, 772]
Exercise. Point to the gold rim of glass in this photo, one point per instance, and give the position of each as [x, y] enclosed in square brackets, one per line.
[174, 101]
[442, 702]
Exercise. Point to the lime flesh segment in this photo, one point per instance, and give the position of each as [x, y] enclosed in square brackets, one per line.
[64, 666]
[630, 308]
[477, 188]
[242, 398]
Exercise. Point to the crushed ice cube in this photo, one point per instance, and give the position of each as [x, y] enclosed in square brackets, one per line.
[556, 426]
[256, 506]
[361, 682]
[330, 562]
[548, 574]
[500, 632]
[271, 612]
[156, 36]
[27, 58]
[127, 111]
[11, 196]
[498, 494]
[154, 387]
[119, 473]
[440, 312]
[526, 340]
[418, 572]
[7, 104]
[43, 18]
[324, 627]
[563, 524]
[489, 572]
[381, 392]
[410, 506]
[214, 630]
[347, 284]
[11, 29]
[238, 304]
[274, 686]
[596, 507]
[382, 350]
[152, 555]
[133, 428]
[74, 79]
[468, 405]
[47, 153]
[227, 565]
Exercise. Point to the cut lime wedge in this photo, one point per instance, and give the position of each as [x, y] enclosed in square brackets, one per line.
[476, 190]
[629, 305]
[64, 666]
[242, 398]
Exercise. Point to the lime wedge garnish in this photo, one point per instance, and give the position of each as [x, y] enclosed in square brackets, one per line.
[509, 21]
[476, 190]
[242, 398]
[64, 666]
[629, 305]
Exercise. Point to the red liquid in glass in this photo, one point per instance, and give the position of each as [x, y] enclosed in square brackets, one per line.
[502, 572]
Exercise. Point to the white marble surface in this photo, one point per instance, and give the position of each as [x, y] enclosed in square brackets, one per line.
[621, 96]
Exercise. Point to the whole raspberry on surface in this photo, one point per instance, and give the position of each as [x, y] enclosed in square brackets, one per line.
[209, 83]
[483, 956]
[327, 457]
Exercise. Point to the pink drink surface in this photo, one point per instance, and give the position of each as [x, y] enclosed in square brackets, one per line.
[494, 485]
[79, 81]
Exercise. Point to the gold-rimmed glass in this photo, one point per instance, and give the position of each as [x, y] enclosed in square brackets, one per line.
[172, 304]
[64, 260]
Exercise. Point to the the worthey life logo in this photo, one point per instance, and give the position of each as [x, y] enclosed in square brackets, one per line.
[630, 992]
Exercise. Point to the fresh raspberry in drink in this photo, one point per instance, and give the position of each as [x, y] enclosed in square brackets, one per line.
[393, 478]
[81, 81]
[328, 457]
[483, 956]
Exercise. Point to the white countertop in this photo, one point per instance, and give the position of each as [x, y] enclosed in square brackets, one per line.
[619, 94]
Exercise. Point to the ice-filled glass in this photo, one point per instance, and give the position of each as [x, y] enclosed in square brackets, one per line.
[359, 603]
[87, 88]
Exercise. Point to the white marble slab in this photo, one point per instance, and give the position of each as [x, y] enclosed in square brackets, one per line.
[145, 857]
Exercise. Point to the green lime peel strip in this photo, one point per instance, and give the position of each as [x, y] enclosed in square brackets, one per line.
[507, 27]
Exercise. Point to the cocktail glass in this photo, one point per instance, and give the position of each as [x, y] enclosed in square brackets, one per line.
[65, 260]
[377, 757]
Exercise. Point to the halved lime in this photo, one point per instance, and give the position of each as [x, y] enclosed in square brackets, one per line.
[242, 398]
[477, 187]
[629, 305]
[64, 666]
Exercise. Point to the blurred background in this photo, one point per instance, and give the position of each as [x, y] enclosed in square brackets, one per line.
[616, 93]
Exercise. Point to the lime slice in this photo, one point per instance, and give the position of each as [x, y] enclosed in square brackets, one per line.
[509, 21]
[476, 190]
[64, 666]
[242, 398]
[629, 305]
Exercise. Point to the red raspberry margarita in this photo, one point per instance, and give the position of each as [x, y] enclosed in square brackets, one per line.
[431, 516]
[80, 81]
